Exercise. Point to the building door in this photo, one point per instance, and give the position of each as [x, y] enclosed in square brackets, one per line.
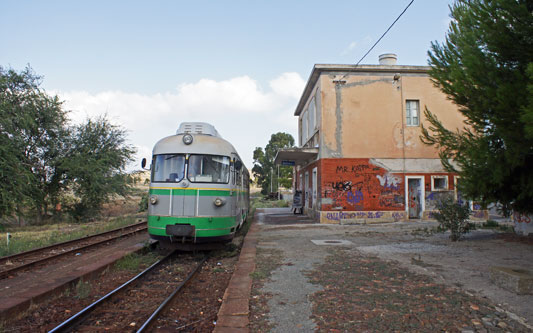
[414, 197]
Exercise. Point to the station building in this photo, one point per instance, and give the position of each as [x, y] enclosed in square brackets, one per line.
[360, 157]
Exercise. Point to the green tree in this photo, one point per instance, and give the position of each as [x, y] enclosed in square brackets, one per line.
[485, 67]
[264, 169]
[41, 156]
[97, 159]
[32, 135]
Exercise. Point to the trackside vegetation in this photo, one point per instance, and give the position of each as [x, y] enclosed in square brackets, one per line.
[265, 171]
[32, 237]
[48, 166]
[485, 67]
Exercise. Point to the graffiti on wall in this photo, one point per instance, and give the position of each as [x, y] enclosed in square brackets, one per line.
[342, 216]
[337, 216]
[432, 198]
[389, 181]
[523, 224]
[358, 185]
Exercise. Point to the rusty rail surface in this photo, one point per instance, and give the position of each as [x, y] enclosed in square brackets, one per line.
[122, 232]
[81, 317]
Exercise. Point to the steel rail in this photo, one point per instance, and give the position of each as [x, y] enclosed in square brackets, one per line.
[6, 273]
[153, 317]
[21, 254]
[79, 317]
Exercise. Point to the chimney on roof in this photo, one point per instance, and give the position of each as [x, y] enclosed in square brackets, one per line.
[388, 59]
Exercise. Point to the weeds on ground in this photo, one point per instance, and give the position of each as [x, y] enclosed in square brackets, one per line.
[83, 289]
[229, 250]
[425, 231]
[494, 225]
[261, 202]
[135, 261]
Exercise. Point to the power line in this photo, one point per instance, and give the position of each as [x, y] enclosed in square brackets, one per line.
[376, 43]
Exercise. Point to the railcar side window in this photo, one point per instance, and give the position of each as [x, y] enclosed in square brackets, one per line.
[168, 168]
[209, 169]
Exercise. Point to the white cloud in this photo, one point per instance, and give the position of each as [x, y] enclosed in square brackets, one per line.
[239, 108]
[358, 45]
[288, 84]
[349, 49]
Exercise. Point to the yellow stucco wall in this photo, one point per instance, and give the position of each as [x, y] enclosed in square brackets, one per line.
[365, 116]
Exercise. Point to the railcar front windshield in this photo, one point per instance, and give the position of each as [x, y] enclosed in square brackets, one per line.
[168, 168]
[209, 169]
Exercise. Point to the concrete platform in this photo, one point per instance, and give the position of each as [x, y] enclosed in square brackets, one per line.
[18, 293]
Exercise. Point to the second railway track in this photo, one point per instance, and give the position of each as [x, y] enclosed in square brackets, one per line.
[13, 264]
[137, 303]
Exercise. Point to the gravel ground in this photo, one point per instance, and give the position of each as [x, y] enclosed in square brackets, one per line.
[290, 305]
[463, 265]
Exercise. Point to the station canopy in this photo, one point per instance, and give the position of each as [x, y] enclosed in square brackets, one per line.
[295, 156]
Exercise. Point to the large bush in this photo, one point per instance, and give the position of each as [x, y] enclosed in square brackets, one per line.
[452, 216]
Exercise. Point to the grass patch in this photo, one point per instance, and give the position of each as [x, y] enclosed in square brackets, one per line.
[135, 261]
[425, 231]
[83, 289]
[494, 225]
[31, 237]
[262, 202]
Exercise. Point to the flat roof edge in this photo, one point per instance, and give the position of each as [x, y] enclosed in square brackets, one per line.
[318, 69]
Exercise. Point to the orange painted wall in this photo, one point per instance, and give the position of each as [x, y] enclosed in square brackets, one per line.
[356, 184]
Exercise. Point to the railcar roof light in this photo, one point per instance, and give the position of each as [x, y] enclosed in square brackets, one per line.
[187, 139]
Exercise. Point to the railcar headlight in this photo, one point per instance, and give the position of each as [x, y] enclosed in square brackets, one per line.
[219, 202]
[187, 139]
[153, 199]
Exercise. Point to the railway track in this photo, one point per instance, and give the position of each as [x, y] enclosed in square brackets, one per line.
[136, 305]
[10, 265]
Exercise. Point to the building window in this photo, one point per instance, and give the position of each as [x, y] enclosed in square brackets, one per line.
[412, 112]
[439, 183]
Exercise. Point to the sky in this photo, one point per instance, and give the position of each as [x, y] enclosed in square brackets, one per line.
[239, 65]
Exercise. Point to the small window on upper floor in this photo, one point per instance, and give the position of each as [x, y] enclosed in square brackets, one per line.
[412, 112]
[439, 183]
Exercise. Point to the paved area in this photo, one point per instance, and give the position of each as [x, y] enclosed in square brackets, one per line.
[304, 246]
[19, 292]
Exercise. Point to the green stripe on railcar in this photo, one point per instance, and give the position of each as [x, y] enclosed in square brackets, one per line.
[192, 192]
[205, 226]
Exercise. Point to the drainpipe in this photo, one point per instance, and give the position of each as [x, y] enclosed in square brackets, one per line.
[402, 105]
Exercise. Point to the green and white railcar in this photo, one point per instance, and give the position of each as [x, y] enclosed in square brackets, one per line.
[199, 188]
